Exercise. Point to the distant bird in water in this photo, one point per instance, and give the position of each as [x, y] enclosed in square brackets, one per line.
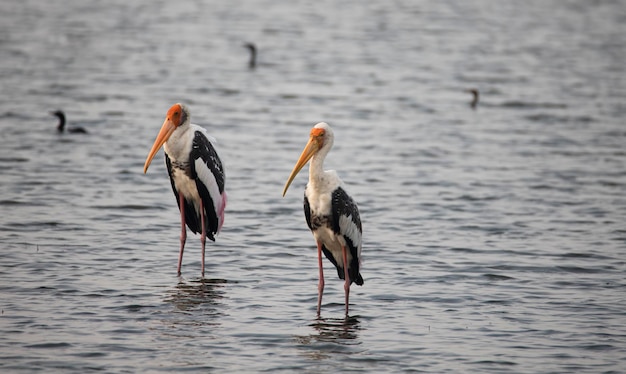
[475, 98]
[61, 125]
[252, 48]
[196, 175]
[330, 213]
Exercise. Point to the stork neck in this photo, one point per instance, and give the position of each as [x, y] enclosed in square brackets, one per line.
[316, 167]
[178, 145]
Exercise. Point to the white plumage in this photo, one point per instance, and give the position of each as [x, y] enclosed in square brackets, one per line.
[330, 212]
[196, 175]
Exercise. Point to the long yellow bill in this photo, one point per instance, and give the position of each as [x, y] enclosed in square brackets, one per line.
[309, 150]
[166, 131]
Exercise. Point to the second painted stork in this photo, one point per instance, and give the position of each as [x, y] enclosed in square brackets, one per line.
[196, 175]
[331, 214]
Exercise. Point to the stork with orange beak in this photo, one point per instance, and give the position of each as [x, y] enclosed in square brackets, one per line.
[330, 213]
[196, 175]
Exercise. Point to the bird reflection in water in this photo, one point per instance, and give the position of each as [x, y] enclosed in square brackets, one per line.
[331, 336]
[197, 309]
[201, 297]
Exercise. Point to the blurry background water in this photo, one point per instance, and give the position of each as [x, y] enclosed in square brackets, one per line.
[494, 238]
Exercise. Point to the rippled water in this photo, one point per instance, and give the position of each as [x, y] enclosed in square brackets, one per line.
[494, 238]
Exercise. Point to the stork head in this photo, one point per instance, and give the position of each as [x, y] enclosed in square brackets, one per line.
[177, 115]
[321, 137]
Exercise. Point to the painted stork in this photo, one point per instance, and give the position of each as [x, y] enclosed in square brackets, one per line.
[330, 213]
[196, 175]
[61, 126]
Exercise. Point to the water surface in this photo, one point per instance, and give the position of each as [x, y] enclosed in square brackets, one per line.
[494, 238]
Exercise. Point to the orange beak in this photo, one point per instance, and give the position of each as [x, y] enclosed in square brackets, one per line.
[309, 150]
[166, 131]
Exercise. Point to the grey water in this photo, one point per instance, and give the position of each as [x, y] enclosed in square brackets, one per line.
[494, 237]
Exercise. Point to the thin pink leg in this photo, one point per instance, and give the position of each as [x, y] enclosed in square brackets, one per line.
[346, 286]
[320, 285]
[183, 230]
[203, 236]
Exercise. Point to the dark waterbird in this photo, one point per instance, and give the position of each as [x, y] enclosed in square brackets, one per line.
[330, 213]
[61, 125]
[253, 52]
[475, 97]
[196, 175]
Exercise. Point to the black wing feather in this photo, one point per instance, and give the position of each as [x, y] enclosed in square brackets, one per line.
[343, 205]
[307, 212]
[191, 217]
[204, 150]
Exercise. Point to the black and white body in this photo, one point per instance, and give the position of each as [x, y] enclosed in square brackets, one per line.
[252, 48]
[196, 175]
[61, 126]
[330, 213]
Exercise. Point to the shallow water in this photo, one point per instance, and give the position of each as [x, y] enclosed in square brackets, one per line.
[494, 238]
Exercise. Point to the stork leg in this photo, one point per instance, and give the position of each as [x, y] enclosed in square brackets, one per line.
[346, 286]
[183, 230]
[203, 236]
[320, 285]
